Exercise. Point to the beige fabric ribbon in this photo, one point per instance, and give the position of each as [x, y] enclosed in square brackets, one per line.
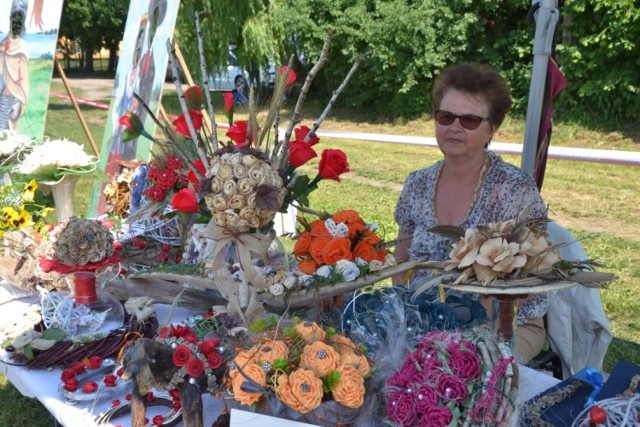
[246, 243]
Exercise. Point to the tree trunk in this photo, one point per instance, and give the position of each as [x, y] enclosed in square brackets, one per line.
[87, 55]
[113, 56]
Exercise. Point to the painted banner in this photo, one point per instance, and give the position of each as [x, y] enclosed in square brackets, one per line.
[142, 66]
[28, 36]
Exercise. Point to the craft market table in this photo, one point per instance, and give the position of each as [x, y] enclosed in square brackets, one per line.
[44, 385]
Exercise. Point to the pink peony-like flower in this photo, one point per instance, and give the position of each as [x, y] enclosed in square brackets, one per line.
[465, 364]
[435, 416]
[401, 409]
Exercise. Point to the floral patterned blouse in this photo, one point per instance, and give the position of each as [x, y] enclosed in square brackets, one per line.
[505, 192]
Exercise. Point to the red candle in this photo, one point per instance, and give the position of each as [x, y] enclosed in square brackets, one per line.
[85, 287]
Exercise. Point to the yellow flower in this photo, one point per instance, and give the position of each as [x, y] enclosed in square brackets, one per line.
[29, 190]
[46, 211]
[21, 220]
[9, 214]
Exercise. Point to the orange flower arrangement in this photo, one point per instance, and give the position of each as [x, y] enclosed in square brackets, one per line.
[341, 236]
[303, 366]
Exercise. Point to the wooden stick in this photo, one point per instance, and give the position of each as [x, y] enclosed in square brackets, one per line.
[76, 107]
[205, 82]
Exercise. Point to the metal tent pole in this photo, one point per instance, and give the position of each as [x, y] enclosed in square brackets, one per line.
[546, 17]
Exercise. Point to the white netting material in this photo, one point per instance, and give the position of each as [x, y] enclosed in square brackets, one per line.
[166, 231]
[59, 310]
[621, 411]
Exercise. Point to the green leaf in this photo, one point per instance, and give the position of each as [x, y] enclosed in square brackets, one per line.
[28, 352]
[280, 365]
[263, 325]
[330, 381]
[53, 334]
[7, 343]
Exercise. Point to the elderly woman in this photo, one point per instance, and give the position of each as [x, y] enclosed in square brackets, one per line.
[470, 186]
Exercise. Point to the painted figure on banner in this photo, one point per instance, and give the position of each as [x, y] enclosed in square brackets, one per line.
[149, 25]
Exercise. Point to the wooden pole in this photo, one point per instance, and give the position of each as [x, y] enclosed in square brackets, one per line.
[76, 107]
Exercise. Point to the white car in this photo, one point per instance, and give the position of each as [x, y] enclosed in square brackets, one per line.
[237, 78]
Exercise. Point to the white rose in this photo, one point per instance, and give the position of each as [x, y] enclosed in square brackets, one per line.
[376, 265]
[218, 202]
[256, 174]
[268, 280]
[235, 159]
[324, 271]
[347, 269]
[249, 160]
[230, 188]
[215, 167]
[225, 172]
[237, 201]
[245, 186]
[276, 289]
[390, 260]
[361, 262]
[247, 213]
[239, 171]
[279, 277]
[216, 185]
[290, 282]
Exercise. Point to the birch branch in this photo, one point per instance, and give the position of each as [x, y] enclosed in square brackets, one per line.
[273, 116]
[205, 83]
[332, 101]
[295, 118]
[183, 105]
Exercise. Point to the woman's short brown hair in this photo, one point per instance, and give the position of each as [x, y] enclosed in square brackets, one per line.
[475, 79]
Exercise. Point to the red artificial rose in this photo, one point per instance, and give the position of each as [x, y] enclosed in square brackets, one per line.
[72, 382]
[154, 172]
[333, 163]
[164, 332]
[436, 416]
[185, 201]
[120, 371]
[95, 362]
[109, 380]
[133, 126]
[181, 355]
[174, 393]
[174, 163]
[68, 374]
[71, 386]
[214, 360]
[195, 367]
[238, 133]
[208, 347]
[429, 398]
[302, 132]
[158, 420]
[465, 364]
[155, 193]
[89, 387]
[115, 403]
[181, 126]
[176, 405]
[452, 388]
[194, 98]
[300, 153]
[167, 179]
[401, 409]
[127, 396]
[150, 396]
[192, 177]
[289, 74]
[79, 367]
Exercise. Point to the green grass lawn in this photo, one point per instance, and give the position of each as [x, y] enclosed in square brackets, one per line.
[598, 203]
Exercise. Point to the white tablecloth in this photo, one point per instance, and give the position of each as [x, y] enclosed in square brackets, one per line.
[43, 385]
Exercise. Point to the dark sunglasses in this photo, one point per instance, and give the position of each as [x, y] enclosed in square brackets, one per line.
[468, 121]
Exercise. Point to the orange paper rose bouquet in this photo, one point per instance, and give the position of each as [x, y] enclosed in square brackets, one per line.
[341, 245]
[304, 373]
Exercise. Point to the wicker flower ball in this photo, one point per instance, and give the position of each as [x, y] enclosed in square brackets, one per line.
[246, 191]
[80, 241]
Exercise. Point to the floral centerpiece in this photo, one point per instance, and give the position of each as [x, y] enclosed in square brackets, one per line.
[453, 379]
[304, 373]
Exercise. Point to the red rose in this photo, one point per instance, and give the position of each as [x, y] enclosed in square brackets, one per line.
[78, 367]
[180, 123]
[214, 360]
[300, 153]
[68, 374]
[176, 405]
[185, 201]
[155, 193]
[127, 396]
[72, 382]
[425, 398]
[194, 98]
[95, 362]
[238, 133]
[154, 172]
[401, 409]
[436, 416]
[120, 371]
[150, 396]
[208, 347]
[302, 132]
[115, 403]
[89, 387]
[465, 364]
[452, 388]
[109, 380]
[461, 345]
[192, 177]
[133, 126]
[195, 367]
[174, 393]
[164, 332]
[333, 163]
[167, 179]
[71, 387]
[289, 74]
[181, 355]
[174, 163]
[158, 420]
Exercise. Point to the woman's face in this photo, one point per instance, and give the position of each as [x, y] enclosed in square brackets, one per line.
[456, 141]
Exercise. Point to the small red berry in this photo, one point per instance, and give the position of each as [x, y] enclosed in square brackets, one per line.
[166, 247]
[597, 415]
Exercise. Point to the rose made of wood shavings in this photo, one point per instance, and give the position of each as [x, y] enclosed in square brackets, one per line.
[81, 241]
[246, 191]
